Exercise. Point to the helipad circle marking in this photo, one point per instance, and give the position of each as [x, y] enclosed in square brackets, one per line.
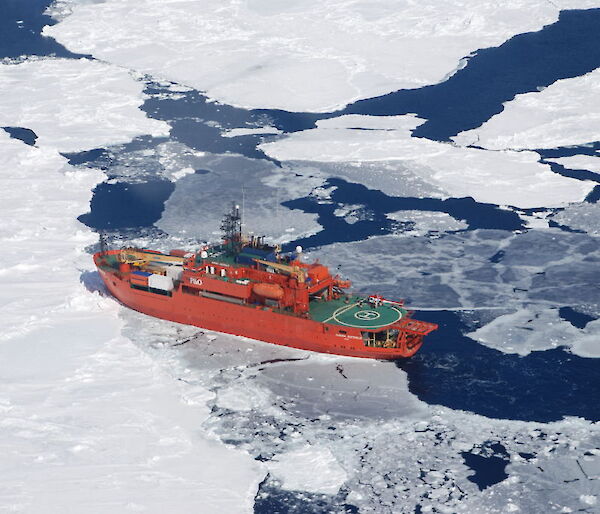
[345, 308]
[367, 315]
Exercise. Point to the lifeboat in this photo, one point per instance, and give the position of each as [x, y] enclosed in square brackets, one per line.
[271, 291]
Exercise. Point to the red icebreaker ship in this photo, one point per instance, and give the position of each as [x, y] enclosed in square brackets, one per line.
[248, 288]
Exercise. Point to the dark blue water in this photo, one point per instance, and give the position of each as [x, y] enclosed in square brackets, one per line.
[98, 157]
[335, 229]
[576, 318]
[489, 465]
[21, 23]
[271, 499]
[572, 173]
[455, 371]
[199, 122]
[28, 136]
[568, 48]
[127, 205]
[594, 195]
[569, 151]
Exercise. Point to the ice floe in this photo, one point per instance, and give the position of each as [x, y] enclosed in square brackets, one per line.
[311, 468]
[309, 56]
[250, 131]
[428, 222]
[499, 177]
[196, 207]
[74, 105]
[530, 329]
[580, 162]
[565, 113]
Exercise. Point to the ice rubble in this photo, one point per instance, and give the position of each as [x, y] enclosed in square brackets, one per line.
[525, 277]
[428, 222]
[583, 216]
[72, 105]
[195, 209]
[503, 177]
[368, 441]
[311, 56]
[565, 113]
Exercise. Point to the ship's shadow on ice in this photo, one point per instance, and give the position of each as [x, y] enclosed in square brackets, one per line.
[455, 371]
[93, 282]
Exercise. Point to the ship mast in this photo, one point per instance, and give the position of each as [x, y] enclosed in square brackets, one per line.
[232, 229]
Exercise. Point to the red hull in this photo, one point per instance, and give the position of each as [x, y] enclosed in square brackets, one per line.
[251, 321]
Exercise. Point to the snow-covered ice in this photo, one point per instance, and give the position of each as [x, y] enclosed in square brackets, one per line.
[304, 56]
[580, 162]
[90, 422]
[74, 105]
[499, 177]
[565, 113]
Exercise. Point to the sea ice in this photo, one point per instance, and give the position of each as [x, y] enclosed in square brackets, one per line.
[246, 131]
[524, 277]
[320, 422]
[196, 207]
[565, 113]
[534, 329]
[583, 216]
[498, 177]
[428, 222]
[74, 105]
[580, 162]
[90, 422]
[310, 468]
[310, 56]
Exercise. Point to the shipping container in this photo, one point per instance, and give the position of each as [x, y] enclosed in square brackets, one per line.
[160, 282]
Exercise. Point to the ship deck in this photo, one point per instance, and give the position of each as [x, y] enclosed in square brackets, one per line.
[356, 313]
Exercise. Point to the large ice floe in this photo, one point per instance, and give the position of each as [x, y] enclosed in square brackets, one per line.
[565, 113]
[196, 206]
[304, 56]
[52, 98]
[503, 177]
[89, 421]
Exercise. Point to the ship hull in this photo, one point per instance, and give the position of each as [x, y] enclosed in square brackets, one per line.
[255, 322]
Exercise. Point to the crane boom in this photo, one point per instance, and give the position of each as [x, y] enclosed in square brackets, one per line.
[296, 271]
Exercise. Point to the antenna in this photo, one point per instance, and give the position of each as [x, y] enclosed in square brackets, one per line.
[243, 205]
[232, 229]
